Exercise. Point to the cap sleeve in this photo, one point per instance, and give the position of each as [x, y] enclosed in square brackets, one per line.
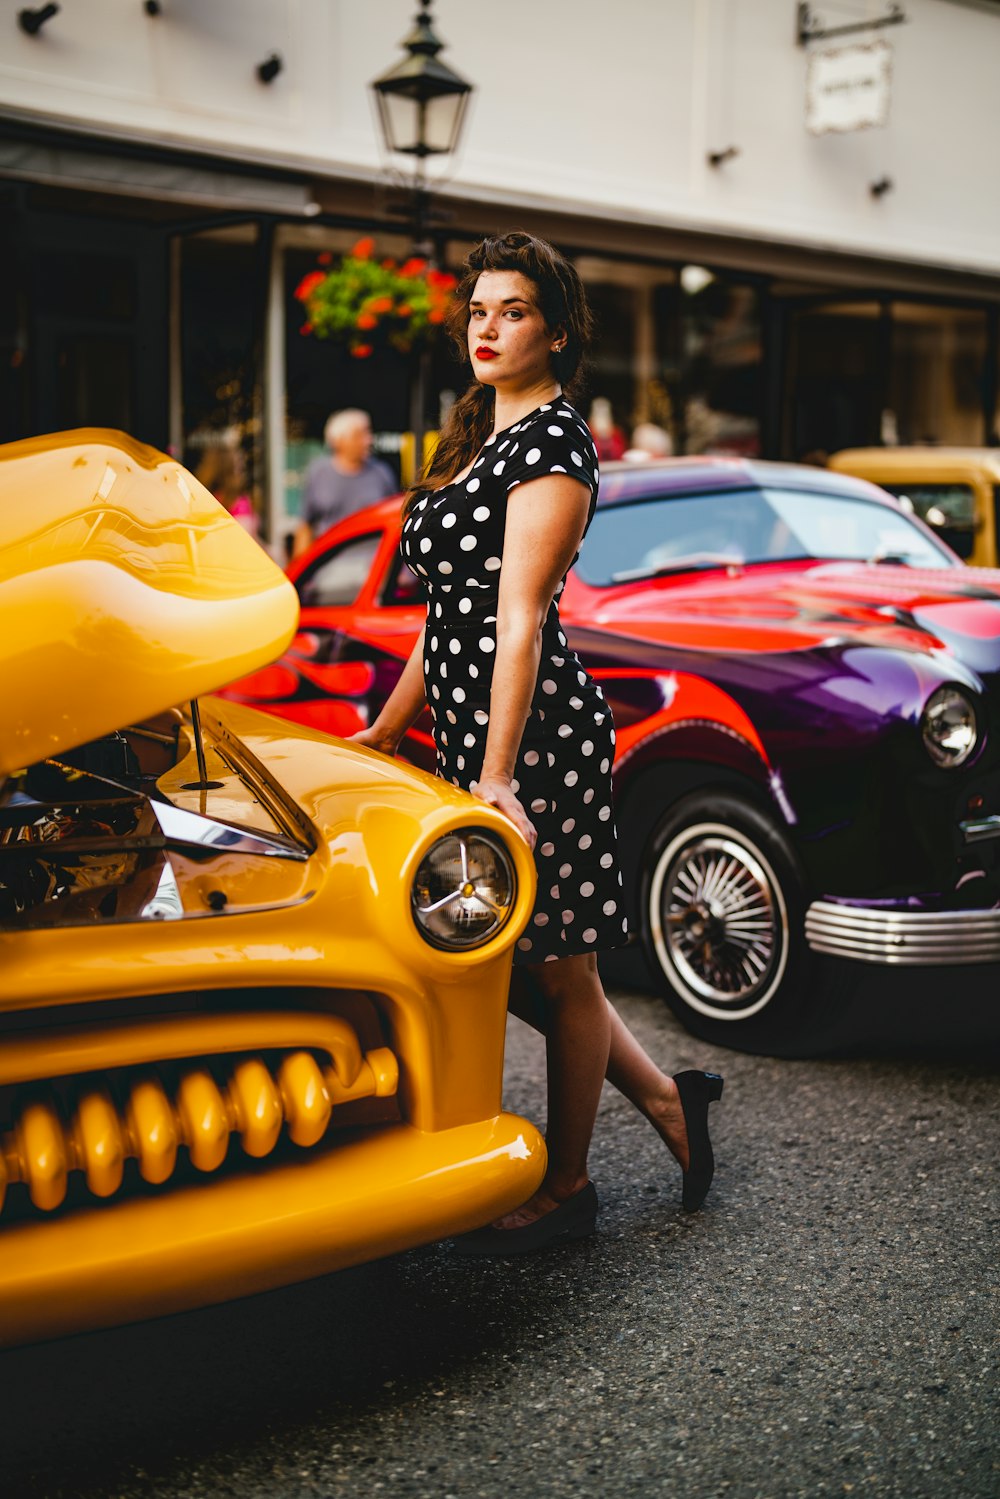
[554, 441]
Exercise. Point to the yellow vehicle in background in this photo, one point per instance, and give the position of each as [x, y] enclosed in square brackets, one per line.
[254, 979]
[955, 490]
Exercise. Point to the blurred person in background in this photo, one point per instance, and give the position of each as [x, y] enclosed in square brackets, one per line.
[223, 472]
[648, 441]
[609, 439]
[348, 480]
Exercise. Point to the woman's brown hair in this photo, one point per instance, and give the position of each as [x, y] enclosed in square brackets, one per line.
[562, 302]
[221, 470]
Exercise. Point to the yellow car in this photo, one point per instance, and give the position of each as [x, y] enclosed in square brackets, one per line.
[254, 980]
[955, 490]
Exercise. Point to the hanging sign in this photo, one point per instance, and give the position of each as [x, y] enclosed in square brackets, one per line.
[848, 88]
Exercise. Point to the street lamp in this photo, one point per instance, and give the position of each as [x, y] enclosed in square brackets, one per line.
[421, 106]
[421, 110]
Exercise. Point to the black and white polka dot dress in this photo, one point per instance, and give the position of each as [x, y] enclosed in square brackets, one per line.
[453, 539]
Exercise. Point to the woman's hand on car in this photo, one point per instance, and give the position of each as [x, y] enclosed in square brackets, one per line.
[373, 738]
[497, 792]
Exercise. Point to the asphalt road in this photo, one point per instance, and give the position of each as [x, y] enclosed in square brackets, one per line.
[826, 1326]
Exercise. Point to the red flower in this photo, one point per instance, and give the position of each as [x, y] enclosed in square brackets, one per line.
[413, 267]
[365, 320]
[380, 304]
[388, 265]
[436, 315]
[362, 351]
[363, 249]
[444, 279]
[306, 328]
[308, 285]
[405, 310]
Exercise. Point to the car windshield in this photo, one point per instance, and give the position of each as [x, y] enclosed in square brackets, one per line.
[659, 534]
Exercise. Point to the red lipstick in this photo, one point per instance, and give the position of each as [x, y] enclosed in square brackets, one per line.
[485, 353]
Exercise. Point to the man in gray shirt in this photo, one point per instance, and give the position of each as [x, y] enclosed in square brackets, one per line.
[347, 481]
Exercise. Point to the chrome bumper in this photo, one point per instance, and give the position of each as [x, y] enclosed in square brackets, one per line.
[903, 938]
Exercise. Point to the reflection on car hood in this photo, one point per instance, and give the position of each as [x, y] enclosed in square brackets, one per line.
[801, 606]
[125, 588]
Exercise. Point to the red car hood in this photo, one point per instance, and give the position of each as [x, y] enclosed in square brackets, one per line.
[781, 607]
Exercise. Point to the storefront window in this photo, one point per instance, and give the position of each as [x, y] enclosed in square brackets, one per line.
[611, 402]
[721, 363]
[936, 372]
[876, 372]
[834, 393]
[221, 307]
[633, 378]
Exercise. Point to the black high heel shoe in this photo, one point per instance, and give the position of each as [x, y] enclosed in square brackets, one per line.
[576, 1218]
[697, 1090]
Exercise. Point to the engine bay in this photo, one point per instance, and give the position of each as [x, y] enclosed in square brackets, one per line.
[90, 837]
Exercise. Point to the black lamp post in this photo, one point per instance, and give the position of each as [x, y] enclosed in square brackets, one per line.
[421, 106]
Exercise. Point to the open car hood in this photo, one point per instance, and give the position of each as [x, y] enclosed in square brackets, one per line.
[125, 589]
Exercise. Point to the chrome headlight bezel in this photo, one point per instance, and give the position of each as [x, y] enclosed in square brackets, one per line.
[474, 891]
[950, 714]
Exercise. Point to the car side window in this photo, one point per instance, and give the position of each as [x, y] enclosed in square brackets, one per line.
[949, 508]
[403, 587]
[337, 577]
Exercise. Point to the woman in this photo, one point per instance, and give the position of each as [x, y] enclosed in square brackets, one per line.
[493, 530]
[222, 470]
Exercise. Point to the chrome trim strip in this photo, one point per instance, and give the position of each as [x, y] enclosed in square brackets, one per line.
[978, 829]
[903, 938]
[192, 830]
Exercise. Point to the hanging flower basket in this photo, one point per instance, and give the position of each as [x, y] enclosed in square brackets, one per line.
[365, 302]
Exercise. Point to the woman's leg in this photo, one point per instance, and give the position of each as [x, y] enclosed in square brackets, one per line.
[629, 1068]
[577, 1036]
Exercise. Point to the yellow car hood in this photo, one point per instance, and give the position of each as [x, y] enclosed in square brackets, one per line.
[125, 588]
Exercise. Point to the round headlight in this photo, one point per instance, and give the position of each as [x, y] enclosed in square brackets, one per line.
[464, 890]
[948, 725]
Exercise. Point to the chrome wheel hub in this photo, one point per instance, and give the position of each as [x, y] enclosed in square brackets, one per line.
[718, 921]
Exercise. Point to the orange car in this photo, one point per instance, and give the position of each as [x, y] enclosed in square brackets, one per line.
[254, 979]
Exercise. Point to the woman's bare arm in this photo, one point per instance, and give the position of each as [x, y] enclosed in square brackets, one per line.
[401, 708]
[545, 523]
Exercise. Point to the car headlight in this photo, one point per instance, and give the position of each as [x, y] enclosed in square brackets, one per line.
[464, 890]
[949, 728]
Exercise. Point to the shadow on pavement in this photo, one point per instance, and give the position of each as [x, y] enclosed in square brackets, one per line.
[108, 1413]
[945, 1014]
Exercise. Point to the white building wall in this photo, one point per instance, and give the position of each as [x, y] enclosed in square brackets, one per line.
[606, 108]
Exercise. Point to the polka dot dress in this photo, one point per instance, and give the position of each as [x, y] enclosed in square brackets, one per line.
[453, 539]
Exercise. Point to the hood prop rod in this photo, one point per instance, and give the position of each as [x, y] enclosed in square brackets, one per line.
[202, 783]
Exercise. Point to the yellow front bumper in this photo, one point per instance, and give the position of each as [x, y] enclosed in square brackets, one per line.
[357, 1201]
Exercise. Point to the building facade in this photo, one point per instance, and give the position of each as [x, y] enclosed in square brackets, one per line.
[784, 215]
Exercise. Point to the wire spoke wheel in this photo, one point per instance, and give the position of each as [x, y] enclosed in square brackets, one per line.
[718, 921]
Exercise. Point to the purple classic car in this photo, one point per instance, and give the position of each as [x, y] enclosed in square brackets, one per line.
[806, 684]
